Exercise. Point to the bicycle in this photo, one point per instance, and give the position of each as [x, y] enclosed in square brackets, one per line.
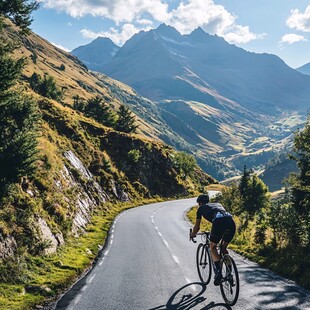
[230, 279]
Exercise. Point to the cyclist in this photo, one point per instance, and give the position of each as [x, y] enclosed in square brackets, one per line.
[223, 227]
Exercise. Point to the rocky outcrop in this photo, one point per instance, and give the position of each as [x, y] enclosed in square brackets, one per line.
[8, 247]
[46, 235]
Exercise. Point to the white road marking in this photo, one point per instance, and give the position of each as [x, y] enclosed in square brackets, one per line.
[174, 257]
[91, 278]
[167, 245]
[83, 289]
[77, 299]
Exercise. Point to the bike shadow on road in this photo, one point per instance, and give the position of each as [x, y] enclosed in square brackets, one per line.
[188, 297]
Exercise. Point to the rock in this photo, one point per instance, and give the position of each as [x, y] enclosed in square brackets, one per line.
[8, 247]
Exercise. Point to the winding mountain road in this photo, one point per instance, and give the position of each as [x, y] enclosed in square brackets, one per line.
[149, 264]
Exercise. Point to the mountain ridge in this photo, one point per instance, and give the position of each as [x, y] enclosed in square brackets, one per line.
[220, 65]
[190, 72]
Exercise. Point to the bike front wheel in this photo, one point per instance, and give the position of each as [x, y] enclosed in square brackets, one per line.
[204, 266]
[230, 281]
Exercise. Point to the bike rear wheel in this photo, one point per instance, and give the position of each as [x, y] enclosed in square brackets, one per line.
[204, 265]
[230, 281]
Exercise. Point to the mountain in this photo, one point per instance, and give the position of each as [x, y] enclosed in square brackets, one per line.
[96, 53]
[162, 64]
[305, 69]
[227, 106]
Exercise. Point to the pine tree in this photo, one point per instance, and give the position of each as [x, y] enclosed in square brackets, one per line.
[301, 182]
[97, 109]
[244, 181]
[18, 114]
[18, 11]
[126, 122]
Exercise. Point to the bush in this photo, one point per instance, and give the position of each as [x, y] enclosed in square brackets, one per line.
[134, 155]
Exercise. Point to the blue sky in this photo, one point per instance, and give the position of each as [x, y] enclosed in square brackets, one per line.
[280, 27]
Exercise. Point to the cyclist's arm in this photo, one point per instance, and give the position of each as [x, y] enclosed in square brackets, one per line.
[196, 228]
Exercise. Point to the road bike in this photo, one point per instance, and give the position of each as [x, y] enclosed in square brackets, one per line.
[229, 284]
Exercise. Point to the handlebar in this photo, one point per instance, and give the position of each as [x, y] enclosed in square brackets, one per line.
[204, 233]
[191, 239]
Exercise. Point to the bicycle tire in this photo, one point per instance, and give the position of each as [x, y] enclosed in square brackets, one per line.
[204, 265]
[230, 281]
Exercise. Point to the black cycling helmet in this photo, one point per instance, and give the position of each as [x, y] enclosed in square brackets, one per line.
[203, 198]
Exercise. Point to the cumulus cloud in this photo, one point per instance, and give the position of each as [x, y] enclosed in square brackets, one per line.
[117, 36]
[187, 16]
[241, 34]
[116, 10]
[299, 21]
[291, 38]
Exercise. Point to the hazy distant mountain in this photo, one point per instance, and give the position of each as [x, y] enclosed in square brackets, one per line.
[96, 53]
[163, 64]
[305, 69]
[229, 107]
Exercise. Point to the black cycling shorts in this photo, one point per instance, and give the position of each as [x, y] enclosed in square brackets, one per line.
[222, 228]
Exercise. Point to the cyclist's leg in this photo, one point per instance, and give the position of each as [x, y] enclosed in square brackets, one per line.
[214, 253]
[215, 237]
[224, 247]
[230, 229]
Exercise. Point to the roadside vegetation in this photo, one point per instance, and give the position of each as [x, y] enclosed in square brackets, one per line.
[274, 233]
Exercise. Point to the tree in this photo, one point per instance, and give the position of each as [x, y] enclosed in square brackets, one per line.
[231, 198]
[185, 163]
[46, 86]
[18, 11]
[18, 114]
[256, 196]
[244, 181]
[78, 103]
[19, 119]
[300, 184]
[97, 109]
[126, 122]
[301, 181]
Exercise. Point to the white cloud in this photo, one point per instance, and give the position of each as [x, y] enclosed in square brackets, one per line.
[119, 37]
[291, 38]
[187, 16]
[241, 35]
[299, 21]
[61, 47]
[116, 10]
[213, 18]
[144, 22]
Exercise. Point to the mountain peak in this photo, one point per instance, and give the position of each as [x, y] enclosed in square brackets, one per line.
[199, 33]
[167, 30]
[103, 40]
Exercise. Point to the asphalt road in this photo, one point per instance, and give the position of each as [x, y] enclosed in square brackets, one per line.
[149, 264]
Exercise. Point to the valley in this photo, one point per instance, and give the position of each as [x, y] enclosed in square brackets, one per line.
[226, 106]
